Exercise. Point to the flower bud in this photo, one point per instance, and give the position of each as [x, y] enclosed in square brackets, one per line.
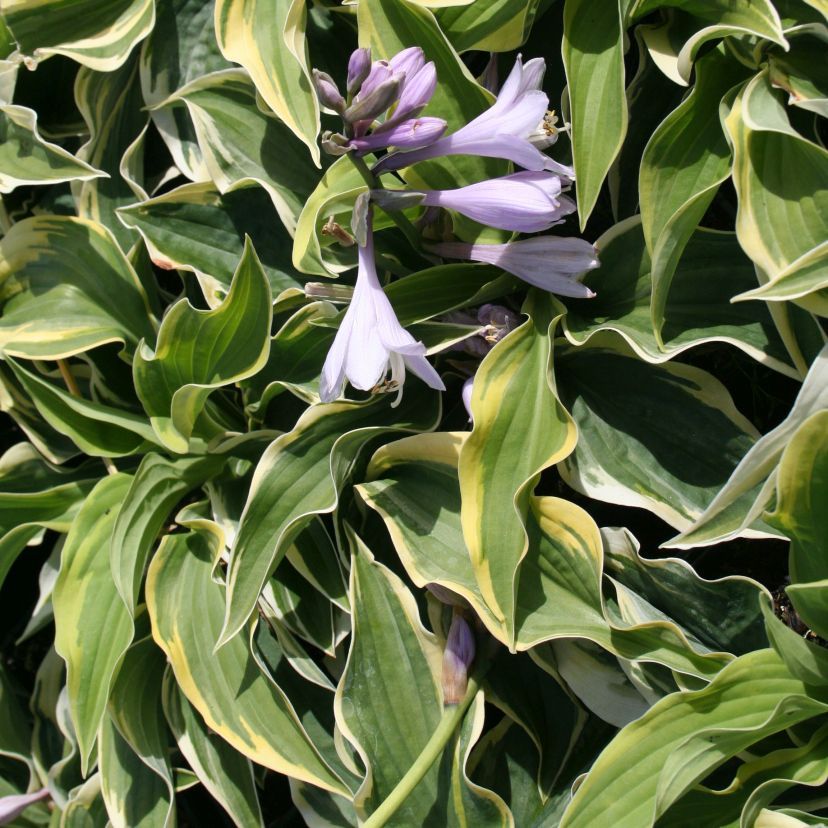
[409, 61]
[457, 658]
[396, 199]
[375, 102]
[359, 66]
[327, 91]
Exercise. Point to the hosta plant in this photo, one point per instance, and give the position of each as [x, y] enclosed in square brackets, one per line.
[416, 413]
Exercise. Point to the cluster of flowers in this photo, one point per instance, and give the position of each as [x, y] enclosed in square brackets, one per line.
[381, 111]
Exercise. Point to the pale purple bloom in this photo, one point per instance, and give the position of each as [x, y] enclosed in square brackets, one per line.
[466, 395]
[502, 131]
[370, 337]
[526, 202]
[457, 658]
[414, 133]
[12, 806]
[548, 262]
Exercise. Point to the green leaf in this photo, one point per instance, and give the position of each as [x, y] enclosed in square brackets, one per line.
[692, 23]
[73, 290]
[520, 428]
[269, 41]
[159, 484]
[112, 106]
[180, 48]
[559, 585]
[698, 310]
[782, 183]
[98, 430]
[389, 713]
[750, 488]
[133, 794]
[801, 73]
[806, 660]
[199, 351]
[757, 783]
[297, 354]
[226, 687]
[92, 625]
[334, 196]
[242, 144]
[802, 484]
[26, 158]
[681, 169]
[99, 34]
[196, 228]
[34, 495]
[301, 474]
[490, 26]
[687, 436]
[541, 705]
[654, 760]
[226, 774]
[593, 53]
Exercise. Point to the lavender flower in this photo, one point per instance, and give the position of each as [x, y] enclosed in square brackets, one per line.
[466, 395]
[526, 202]
[502, 131]
[548, 262]
[457, 658]
[370, 337]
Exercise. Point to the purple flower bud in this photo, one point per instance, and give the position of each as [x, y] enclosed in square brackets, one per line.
[457, 658]
[551, 263]
[414, 133]
[374, 103]
[327, 91]
[408, 61]
[359, 66]
[526, 202]
[416, 93]
[380, 72]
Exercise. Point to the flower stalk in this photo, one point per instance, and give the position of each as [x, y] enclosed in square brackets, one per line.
[452, 718]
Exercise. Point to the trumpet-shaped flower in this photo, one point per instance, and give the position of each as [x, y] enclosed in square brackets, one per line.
[508, 129]
[371, 338]
[548, 262]
[526, 202]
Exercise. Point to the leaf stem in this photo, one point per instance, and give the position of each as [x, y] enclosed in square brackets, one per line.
[397, 217]
[74, 390]
[452, 717]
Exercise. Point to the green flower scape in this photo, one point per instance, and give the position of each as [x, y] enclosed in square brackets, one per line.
[414, 413]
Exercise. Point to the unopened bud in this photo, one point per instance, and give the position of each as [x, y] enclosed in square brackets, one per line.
[359, 66]
[335, 144]
[457, 658]
[375, 102]
[409, 61]
[327, 92]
